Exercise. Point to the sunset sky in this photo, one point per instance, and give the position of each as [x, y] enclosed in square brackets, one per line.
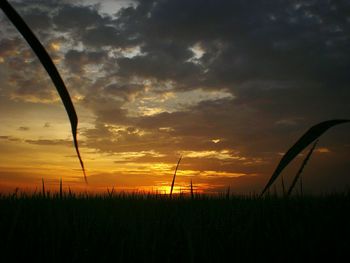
[229, 85]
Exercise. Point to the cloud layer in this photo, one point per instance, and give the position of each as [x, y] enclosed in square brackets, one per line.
[229, 84]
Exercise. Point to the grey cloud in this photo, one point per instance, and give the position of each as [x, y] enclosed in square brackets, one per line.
[159, 67]
[76, 60]
[38, 19]
[284, 61]
[248, 128]
[34, 88]
[263, 41]
[300, 46]
[70, 18]
[106, 108]
[127, 92]
[9, 46]
[103, 35]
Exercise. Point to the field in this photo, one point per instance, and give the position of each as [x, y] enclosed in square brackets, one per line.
[155, 228]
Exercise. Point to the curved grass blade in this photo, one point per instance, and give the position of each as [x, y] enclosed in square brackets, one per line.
[311, 135]
[49, 66]
[297, 176]
[173, 182]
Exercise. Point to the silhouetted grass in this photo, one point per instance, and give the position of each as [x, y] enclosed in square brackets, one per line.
[174, 177]
[50, 67]
[298, 175]
[311, 135]
[191, 189]
[153, 228]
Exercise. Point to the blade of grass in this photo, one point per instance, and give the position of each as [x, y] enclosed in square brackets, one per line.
[301, 186]
[173, 182]
[61, 190]
[275, 191]
[110, 193]
[192, 195]
[50, 67]
[298, 175]
[311, 135]
[283, 186]
[43, 187]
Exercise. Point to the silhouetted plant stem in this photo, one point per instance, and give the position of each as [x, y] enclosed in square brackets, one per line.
[173, 182]
[192, 195]
[298, 175]
[43, 187]
[311, 135]
[61, 190]
[50, 67]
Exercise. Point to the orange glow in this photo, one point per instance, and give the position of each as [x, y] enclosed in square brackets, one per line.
[55, 46]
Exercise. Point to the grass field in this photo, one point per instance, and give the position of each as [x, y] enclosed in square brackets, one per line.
[155, 228]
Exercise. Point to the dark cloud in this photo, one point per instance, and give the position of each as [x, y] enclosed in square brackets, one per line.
[125, 92]
[270, 56]
[108, 109]
[38, 19]
[35, 88]
[71, 18]
[76, 60]
[103, 35]
[285, 40]
[9, 46]
[157, 66]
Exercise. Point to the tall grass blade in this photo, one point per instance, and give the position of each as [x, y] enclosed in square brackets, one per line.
[43, 187]
[283, 186]
[298, 175]
[110, 193]
[301, 186]
[173, 182]
[311, 135]
[192, 195]
[15, 193]
[275, 191]
[50, 67]
[61, 190]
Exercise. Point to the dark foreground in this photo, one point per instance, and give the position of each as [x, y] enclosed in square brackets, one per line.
[138, 228]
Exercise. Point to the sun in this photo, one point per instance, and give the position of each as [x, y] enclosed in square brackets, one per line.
[165, 189]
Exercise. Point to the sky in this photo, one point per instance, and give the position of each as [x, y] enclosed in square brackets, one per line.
[227, 85]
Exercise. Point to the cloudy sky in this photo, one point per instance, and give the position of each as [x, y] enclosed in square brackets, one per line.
[229, 85]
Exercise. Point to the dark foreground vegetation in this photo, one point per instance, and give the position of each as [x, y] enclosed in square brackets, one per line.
[153, 228]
